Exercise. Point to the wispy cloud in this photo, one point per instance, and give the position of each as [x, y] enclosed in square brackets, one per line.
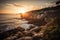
[17, 5]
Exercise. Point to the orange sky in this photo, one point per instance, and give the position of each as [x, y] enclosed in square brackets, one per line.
[15, 6]
[11, 8]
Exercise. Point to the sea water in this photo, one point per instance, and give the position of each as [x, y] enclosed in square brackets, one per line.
[11, 21]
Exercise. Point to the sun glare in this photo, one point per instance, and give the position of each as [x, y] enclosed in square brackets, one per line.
[22, 10]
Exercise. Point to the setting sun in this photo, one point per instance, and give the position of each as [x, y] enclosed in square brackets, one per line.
[22, 10]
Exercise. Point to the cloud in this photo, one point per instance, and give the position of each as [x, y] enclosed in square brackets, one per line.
[50, 4]
[14, 4]
[18, 5]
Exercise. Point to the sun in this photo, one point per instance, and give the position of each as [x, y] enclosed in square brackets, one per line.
[22, 10]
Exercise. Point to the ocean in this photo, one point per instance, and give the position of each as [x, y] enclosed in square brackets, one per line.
[12, 21]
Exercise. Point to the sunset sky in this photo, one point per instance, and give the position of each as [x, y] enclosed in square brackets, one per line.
[16, 6]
